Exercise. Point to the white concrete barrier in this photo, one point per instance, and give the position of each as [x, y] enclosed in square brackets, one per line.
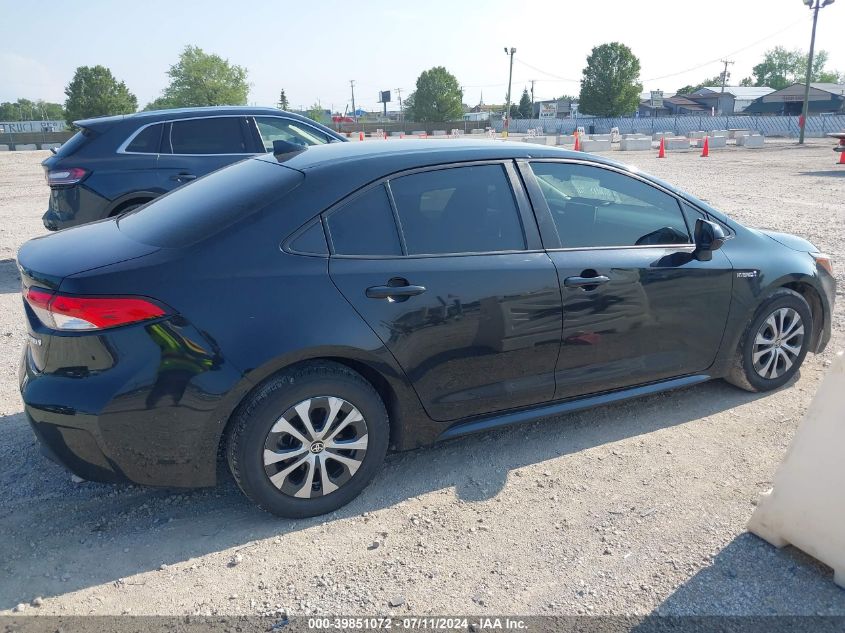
[26, 147]
[713, 142]
[566, 139]
[659, 135]
[4, 148]
[476, 131]
[50, 145]
[595, 145]
[540, 140]
[634, 144]
[696, 135]
[676, 143]
[600, 137]
[751, 140]
[734, 133]
[439, 133]
[806, 506]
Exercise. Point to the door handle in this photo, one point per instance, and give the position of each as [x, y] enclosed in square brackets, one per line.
[181, 177]
[580, 282]
[388, 292]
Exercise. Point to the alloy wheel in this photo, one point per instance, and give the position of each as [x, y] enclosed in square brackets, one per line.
[778, 343]
[315, 447]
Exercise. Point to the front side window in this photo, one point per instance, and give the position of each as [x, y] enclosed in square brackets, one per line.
[213, 135]
[147, 141]
[594, 207]
[459, 210]
[279, 129]
[365, 226]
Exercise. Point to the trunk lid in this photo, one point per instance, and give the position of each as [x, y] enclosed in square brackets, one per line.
[46, 261]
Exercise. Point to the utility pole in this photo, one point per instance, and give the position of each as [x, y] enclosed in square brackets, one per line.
[532, 96]
[507, 118]
[814, 6]
[401, 112]
[354, 111]
[725, 75]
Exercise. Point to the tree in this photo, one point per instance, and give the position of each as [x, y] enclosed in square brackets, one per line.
[525, 108]
[202, 79]
[781, 68]
[437, 98]
[316, 113]
[610, 83]
[94, 91]
[26, 110]
[283, 100]
[746, 82]
[689, 89]
[514, 112]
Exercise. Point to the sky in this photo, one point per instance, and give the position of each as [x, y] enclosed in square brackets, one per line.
[313, 50]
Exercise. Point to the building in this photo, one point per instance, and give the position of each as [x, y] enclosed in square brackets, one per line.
[658, 105]
[823, 98]
[555, 109]
[733, 100]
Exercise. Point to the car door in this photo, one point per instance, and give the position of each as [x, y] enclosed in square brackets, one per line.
[446, 266]
[194, 147]
[638, 306]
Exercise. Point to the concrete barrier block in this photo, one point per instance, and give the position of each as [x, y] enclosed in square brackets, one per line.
[50, 145]
[634, 144]
[734, 133]
[676, 143]
[751, 140]
[697, 135]
[600, 137]
[439, 133]
[26, 147]
[540, 140]
[476, 131]
[566, 139]
[595, 145]
[4, 148]
[713, 142]
[724, 133]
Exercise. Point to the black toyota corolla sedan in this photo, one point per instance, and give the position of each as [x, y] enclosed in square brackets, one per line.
[302, 313]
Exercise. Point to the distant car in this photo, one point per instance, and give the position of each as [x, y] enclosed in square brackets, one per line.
[115, 164]
[302, 312]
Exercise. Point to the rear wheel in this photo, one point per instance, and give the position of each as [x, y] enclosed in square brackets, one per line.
[309, 441]
[775, 343]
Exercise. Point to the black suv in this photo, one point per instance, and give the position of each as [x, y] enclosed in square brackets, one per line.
[114, 164]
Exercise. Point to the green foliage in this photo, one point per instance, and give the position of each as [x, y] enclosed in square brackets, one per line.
[316, 113]
[94, 91]
[610, 83]
[283, 100]
[514, 112]
[781, 68]
[746, 82]
[26, 110]
[437, 97]
[713, 81]
[525, 108]
[202, 79]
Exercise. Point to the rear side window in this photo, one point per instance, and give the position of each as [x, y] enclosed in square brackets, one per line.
[191, 214]
[365, 226]
[458, 210]
[147, 141]
[76, 142]
[213, 135]
[279, 129]
[595, 207]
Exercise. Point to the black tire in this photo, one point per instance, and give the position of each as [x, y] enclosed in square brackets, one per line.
[250, 433]
[744, 374]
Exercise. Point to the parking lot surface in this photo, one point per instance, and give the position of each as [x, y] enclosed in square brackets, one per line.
[635, 508]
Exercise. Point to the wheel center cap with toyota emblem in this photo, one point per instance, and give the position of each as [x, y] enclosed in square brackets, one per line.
[317, 447]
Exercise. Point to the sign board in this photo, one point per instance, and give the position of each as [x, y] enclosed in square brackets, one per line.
[384, 96]
[548, 110]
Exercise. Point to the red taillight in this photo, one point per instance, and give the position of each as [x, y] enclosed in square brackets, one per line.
[64, 177]
[68, 312]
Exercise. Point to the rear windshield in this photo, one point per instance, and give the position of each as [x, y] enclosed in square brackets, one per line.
[75, 142]
[197, 211]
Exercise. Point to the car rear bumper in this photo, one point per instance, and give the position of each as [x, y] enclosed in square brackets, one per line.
[70, 206]
[152, 417]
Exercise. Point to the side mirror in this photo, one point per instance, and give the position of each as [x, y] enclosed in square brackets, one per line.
[709, 237]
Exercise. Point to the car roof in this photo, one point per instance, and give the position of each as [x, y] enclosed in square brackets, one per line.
[377, 158]
[151, 116]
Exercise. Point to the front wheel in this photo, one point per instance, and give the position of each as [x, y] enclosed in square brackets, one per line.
[308, 441]
[775, 343]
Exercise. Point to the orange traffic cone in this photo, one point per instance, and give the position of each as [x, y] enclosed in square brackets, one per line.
[842, 153]
[577, 142]
[401, 135]
[360, 136]
[705, 151]
[385, 136]
[662, 152]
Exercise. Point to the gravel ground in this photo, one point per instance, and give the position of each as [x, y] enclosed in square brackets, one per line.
[630, 509]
